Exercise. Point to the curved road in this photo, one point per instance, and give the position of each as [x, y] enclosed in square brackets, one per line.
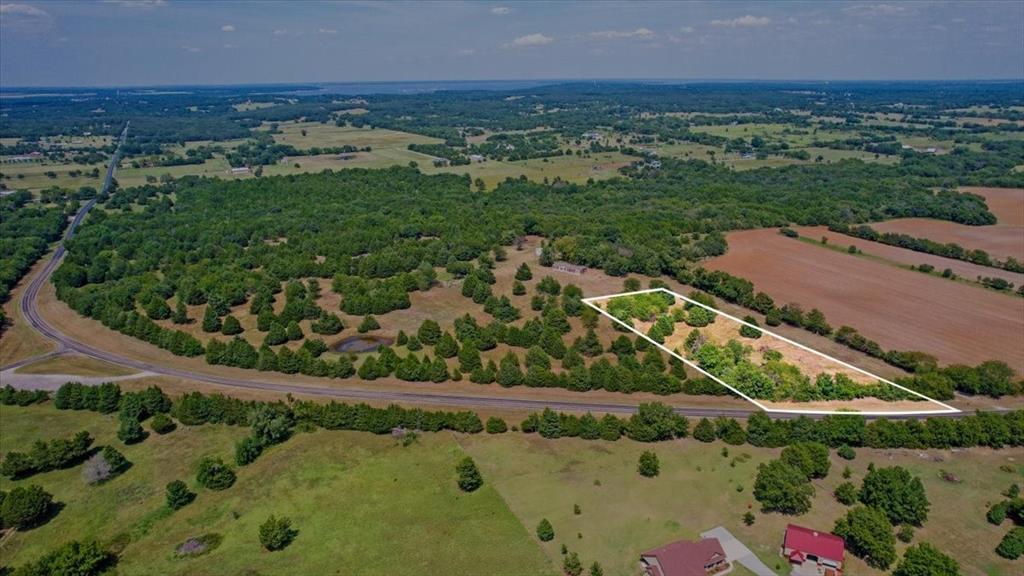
[66, 343]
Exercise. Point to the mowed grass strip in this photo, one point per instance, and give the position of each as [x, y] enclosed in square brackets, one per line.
[363, 504]
[623, 513]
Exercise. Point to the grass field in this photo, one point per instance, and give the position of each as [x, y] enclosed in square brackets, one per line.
[361, 503]
[624, 514]
[32, 176]
[75, 365]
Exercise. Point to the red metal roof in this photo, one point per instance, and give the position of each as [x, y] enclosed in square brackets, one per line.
[685, 558]
[820, 544]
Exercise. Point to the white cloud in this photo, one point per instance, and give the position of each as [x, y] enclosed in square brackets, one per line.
[280, 32]
[327, 31]
[23, 10]
[501, 10]
[145, 4]
[466, 52]
[642, 33]
[536, 39]
[687, 29]
[231, 46]
[227, 28]
[188, 48]
[877, 10]
[747, 21]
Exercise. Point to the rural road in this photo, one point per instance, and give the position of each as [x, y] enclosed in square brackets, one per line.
[65, 343]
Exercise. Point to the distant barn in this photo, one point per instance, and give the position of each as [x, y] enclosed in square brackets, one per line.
[562, 266]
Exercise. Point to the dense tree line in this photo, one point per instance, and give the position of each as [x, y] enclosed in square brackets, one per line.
[948, 250]
[26, 230]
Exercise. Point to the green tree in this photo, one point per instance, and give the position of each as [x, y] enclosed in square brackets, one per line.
[1011, 546]
[293, 331]
[596, 570]
[809, 457]
[648, 465]
[496, 425]
[704, 431]
[214, 474]
[894, 491]
[446, 346]
[781, 487]
[178, 495]
[571, 564]
[231, 326]
[276, 335]
[162, 424]
[130, 431]
[72, 558]
[429, 332]
[846, 493]
[868, 535]
[368, 324]
[545, 532]
[180, 315]
[523, 273]
[276, 533]
[750, 331]
[211, 322]
[25, 507]
[748, 518]
[469, 476]
[925, 560]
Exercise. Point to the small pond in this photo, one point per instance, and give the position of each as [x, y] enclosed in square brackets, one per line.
[362, 343]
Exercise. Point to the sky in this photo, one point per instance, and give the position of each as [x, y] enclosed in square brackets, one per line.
[174, 42]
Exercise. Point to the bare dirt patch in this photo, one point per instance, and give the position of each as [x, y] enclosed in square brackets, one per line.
[899, 309]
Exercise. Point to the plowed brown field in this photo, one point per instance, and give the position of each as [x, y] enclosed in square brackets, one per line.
[898, 308]
[1005, 238]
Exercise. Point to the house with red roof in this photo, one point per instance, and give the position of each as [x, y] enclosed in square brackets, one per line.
[813, 553]
[686, 558]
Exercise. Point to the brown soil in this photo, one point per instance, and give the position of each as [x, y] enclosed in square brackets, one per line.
[899, 309]
[910, 257]
[1004, 239]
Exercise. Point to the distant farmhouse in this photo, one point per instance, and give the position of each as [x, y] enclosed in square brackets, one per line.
[685, 558]
[592, 135]
[239, 171]
[476, 158]
[563, 266]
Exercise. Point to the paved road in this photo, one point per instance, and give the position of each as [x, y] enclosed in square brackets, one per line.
[737, 551]
[66, 343]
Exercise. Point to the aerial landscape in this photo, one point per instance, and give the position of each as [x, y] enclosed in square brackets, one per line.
[522, 288]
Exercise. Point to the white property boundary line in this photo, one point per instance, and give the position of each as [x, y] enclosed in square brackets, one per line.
[946, 408]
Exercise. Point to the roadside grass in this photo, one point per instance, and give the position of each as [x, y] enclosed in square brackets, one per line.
[626, 514]
[76, 365]
[361, 504]
[577, 169]
[18, 340]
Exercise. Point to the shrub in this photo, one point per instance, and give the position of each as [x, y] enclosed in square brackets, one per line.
[215, 474]
[748, 518]
[26, 507]
[648, 465]
[997, 513]
[72, 559]
[544, 531]
[846, 493]
[162, 424]
[1011, 546]
[496, 425]
[276, 533]
[905, 534]
[130, 431]
[369, 323]
[469, 476]
[846, 453]
[750, 331]
[178, 495]
[704, 431]
[571, 565]
[247, 450]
